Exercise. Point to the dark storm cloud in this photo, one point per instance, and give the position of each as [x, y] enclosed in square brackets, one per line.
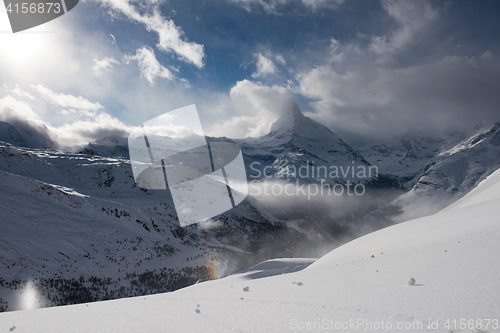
[393, 83]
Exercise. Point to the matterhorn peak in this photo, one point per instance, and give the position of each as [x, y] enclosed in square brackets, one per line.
[290, 120]
[293, 123]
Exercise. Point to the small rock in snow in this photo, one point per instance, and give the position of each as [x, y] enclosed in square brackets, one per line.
[12, 328]
[411, 282]
[300, 284]
[197, 310]
[246, 289]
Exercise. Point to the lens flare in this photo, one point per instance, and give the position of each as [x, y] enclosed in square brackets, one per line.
[29, 297]
[217, 268]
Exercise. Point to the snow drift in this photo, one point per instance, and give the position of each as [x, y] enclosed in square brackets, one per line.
[360, 286]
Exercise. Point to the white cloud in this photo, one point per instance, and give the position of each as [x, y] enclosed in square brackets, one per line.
[22, 93]
[257, 107]
[273, 6]
[265, 66]
[315, 4]
[210, 224]
[14, 108]
[412, 17]
[150, 67]
[40, 133]
[171, 37]
[68, 101]
[381, 102]
[105, 64]
[338, 53]
[279, 58]
[28, 124]
[18, 91]
[269, 5]
[81, 132]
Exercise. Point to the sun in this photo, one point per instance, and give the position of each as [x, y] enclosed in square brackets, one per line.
[21, 50]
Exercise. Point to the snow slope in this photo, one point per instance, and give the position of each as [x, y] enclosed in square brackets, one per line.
[79, 228]
[360, 286]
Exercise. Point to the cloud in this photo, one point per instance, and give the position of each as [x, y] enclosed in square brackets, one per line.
[38, 133]
[210, 224]
[87, 123]
[378, 102]
[412, 17]
[33, 131]
[171, 37]
[150, 67]
[68, 101]
[18, 91]
[315, 4]
[12, 108]
[274, 6]
[105, 64]
[257, 106]
[265, 66]
[279, 58]
[81, 132]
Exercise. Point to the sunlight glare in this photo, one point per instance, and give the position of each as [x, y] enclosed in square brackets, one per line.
[29, 297]
[23, 48]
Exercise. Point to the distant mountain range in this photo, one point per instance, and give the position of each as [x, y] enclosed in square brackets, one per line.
[77, 226]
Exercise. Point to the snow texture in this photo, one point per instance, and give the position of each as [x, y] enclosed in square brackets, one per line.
[346, 284]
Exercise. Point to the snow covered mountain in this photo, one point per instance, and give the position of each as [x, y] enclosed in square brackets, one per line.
[296, 141]
[79, 229]
[452, 173]
[10, 134]
[109, 146]
[435, 169]
[406, 156]
[461, 167]
[75, 227]
[27, 134]
[434, 274]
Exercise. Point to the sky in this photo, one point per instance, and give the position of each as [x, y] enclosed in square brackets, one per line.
[368, 70]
